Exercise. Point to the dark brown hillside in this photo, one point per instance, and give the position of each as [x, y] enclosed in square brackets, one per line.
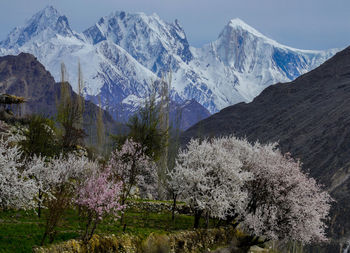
[25, 76]
[309, 117]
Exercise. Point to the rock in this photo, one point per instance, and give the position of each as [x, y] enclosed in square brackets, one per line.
[256, 249]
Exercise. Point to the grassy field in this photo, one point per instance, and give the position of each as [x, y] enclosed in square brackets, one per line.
[20, 231]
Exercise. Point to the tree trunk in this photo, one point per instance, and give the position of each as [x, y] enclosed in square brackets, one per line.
[122, 217]
[93, 229]
[39, 203]
[197, 216]
[206, 220]
[86, 232]
[43, 239]
[174, 207]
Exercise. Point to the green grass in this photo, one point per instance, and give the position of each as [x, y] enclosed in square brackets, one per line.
[20, 231]
[170, 202]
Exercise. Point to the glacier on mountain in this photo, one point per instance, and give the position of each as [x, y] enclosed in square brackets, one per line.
[123, 54]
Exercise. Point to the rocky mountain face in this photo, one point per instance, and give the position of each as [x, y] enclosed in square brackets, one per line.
[25, 76]
[309, 117]
[123, 54]
[187, 114]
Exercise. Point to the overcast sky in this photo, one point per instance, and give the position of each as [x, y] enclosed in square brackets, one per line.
[305, 24]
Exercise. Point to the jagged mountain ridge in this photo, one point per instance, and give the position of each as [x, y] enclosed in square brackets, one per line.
[310, 118]
[122, 54]
[47, 21]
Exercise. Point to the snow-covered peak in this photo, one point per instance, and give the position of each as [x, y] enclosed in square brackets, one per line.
[237, 23]
[48, 14]
[238, 29]
[47, 22]
[243, 48]
[238, 26]
[156, 44]
[118, 24]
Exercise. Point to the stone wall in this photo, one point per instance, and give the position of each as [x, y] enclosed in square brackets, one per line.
[193, 241]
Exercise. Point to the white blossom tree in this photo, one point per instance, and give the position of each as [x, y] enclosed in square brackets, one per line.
[17, 189]
[52, 174]
[210, 179]
[61, 171]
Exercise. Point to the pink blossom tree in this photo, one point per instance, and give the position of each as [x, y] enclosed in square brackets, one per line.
[283, 203]
[98, 196]
[132, 167]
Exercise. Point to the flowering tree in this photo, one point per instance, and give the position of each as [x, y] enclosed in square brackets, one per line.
[98, 196]
[37, 168]
[61, 171]
[284, 203]
[210, 179]
[131, 166]
[256, 184]
[17, 189]
[51, 174]
[60, 179]
[173, 184]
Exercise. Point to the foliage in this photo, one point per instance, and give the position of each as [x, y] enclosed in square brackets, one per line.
[130, 165]
[150, 128]
[69, 116]
[39, 137]
[11, 99]
[164, 111]
[98, 197]
[100, 128]
[173, 148]
[145, 128]
[17, 189]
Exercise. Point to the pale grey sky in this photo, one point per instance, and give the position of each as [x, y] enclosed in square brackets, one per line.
[305, 24]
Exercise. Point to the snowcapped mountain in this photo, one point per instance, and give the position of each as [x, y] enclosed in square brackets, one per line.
[109, 71]
[42, 26]
[154, 43]
[123, 54]
[244, 60]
